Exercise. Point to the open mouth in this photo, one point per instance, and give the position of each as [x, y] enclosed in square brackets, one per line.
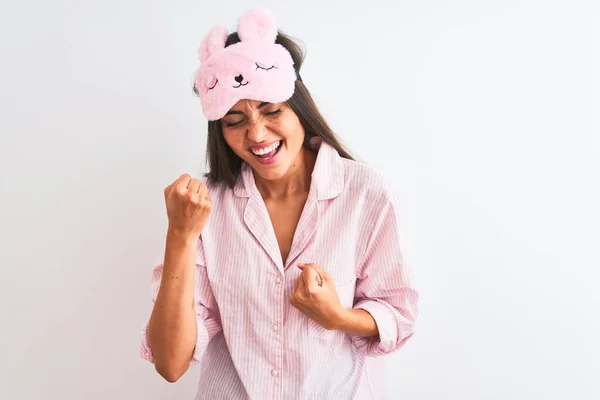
[268, 154]
[241, 84]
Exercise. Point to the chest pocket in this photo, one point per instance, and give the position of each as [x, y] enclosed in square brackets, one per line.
[338, 260]
[346, 295]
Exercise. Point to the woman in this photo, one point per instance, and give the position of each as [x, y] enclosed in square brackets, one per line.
[282, 273]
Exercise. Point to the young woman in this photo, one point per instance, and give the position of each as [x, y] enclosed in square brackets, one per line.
[282, 274]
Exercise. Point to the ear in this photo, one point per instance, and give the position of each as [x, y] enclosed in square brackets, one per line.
[213, 42]
[258, 25]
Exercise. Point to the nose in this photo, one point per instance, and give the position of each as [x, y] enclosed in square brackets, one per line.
[256, 131]
[239, 78]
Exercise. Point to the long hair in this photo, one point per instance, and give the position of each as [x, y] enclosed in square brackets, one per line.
[224, 165]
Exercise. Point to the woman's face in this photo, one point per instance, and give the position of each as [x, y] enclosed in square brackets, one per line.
[268, 136]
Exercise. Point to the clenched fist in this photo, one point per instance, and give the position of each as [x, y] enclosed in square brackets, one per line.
[188, 205]
[316, 297]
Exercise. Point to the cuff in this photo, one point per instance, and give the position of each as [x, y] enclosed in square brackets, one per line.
[386, 324]
[206, 331]
[145, 350]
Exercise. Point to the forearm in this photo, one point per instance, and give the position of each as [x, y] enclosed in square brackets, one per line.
[356, 322]
[172, 327]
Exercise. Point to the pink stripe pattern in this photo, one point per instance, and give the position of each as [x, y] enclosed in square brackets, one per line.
[252, 344]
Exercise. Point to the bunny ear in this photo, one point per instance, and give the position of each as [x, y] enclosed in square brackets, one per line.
[258, 25]
[213, 42]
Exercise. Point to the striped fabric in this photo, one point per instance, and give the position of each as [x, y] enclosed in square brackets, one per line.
[252, 344]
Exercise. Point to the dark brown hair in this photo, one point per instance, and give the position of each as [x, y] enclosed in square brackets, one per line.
[224, 165]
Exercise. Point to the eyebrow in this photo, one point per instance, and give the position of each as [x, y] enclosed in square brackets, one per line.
[261, 105]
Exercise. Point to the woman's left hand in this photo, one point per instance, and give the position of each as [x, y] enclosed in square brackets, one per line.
[316, 297]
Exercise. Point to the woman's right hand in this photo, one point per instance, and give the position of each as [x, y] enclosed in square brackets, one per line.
[188, 206]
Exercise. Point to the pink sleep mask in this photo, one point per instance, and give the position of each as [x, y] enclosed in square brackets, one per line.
[256, 68]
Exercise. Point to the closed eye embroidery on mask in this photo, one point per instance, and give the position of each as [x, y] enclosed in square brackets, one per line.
[266, 69]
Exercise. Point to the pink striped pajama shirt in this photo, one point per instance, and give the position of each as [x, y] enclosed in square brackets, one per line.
[252, 344]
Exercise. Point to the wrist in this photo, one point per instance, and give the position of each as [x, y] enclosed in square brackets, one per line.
[340, 321]
[179, 236]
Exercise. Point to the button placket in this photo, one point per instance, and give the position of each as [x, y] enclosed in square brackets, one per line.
[276, 323]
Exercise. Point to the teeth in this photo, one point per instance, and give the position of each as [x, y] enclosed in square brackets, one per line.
[266, 149]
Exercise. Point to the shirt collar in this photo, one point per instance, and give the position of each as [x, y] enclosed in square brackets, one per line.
[327, 176]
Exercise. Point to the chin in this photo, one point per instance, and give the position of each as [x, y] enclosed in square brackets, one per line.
[273, 173]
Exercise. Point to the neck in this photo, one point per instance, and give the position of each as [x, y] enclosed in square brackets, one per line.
[295, 181]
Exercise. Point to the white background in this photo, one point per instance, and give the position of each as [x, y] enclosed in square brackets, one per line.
[483, 114]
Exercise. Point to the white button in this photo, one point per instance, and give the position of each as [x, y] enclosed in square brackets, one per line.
[278, 280]
[275, 327]
[274, 372]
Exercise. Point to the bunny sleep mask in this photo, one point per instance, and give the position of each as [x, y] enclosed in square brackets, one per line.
[255, 68]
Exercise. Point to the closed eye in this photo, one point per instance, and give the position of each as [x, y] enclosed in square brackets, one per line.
[266, 69]
[236, 123]
[213, 86]
[231, 124]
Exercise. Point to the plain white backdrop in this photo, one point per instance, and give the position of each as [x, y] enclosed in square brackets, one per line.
[483, 114]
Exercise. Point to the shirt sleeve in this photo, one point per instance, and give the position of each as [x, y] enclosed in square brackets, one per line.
[207, 314]
[384, 285]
